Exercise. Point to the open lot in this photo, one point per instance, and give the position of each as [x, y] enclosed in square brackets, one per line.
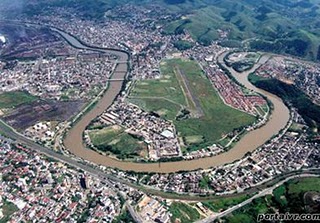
[115, 140]
[304, 185]
[224, 203]
[183, 85]
[15, 98]
[29, 114]
[183, 213]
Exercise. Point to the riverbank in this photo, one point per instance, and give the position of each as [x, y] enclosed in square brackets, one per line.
[73, 141]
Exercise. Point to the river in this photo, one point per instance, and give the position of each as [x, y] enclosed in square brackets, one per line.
[74, 142]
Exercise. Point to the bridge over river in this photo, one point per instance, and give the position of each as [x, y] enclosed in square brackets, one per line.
[74, 142]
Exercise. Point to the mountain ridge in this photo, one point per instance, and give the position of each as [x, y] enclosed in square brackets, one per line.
[279, 26]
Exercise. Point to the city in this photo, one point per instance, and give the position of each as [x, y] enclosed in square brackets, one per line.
[168, 129]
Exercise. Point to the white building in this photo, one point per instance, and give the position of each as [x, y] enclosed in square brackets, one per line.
[2, 39]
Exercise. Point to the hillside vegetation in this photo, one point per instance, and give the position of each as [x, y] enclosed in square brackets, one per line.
[280, 26]
[295, 196]
[292, 95]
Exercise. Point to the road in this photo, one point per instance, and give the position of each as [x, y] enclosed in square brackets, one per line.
[76, 162]
[249, 142]
[73, 141]
[133, 213]
[11, 133]
[264, 192]
[19, 138]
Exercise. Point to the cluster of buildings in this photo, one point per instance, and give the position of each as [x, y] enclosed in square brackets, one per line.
[45, 190]
[212, 150]
[41, 131]
[151, 210]
[80, 76]
[287, 152]
[188, 182]
[137, 35]
[42, 189]
[232, 94]
[305, 75]
[160, 135]
[143, 38]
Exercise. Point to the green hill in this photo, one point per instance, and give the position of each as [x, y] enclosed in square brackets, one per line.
[287, 26]
[281, 26]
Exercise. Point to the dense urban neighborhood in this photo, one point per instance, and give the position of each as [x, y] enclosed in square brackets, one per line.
[174, 130]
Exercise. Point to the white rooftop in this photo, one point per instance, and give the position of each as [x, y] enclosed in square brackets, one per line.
[168, 134]
[2, 39]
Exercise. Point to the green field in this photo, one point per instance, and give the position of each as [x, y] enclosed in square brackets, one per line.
[167, 97]
[15, 98]
[279, 195]
[183, 213]
[224, 203]
[289, 197]
[124, 216]
[304, 185]
[183, 45]
[115, 140]
[8, 209]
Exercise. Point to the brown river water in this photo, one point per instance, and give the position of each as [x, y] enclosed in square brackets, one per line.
[74, 142]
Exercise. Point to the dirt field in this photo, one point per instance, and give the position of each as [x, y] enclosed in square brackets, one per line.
[26, 115]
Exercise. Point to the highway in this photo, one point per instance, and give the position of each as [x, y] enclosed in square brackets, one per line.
[76, 162]
[11, 133]
[19, 138]
[264, 192]
[133, 213]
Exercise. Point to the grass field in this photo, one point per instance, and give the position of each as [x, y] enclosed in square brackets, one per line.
[224, 203]
[304, 185]
[250, 212]
[168, 95]
[279, 195]
[103, 136]
[8, 209]
[115, 140]
[161, 106]
[15, 98]
[253, 78]
[183, 213]
[193, 139]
